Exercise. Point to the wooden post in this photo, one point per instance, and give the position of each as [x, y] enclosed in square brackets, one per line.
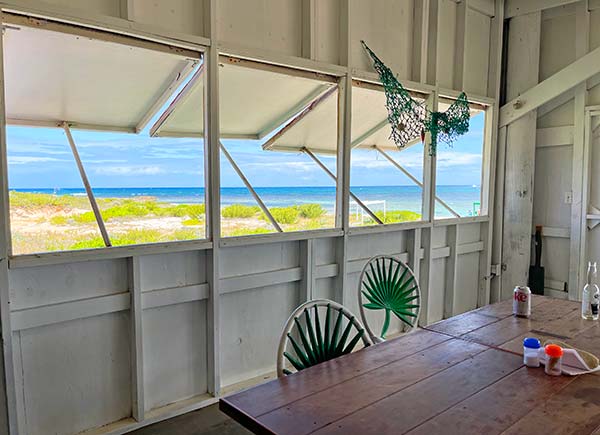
[88, 187]
[522, 74]
[212, 155]
[8, 398]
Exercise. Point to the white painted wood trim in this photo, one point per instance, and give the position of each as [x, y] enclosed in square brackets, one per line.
[260, 239]
[8, 398]
[112, 253]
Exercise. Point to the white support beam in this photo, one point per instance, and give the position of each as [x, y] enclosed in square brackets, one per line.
[580, 159]
[88, 187]
[522, 73]
[178, 78]
[515, 8]
[296, 119]
[255, 195]
[183, 95]
[450, 288]
[212, 177]
[414, 180]
[567, 78]
[137, 351]
[72, 125]
[8, 397]
[307, 263]
[292, 111]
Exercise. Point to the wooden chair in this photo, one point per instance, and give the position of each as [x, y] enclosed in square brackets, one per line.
[312, 341]
[388, 284]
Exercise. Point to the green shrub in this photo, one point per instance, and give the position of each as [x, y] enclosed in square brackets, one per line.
[30, 200]
[284, 215]
[85, 218]
[192, 222]
[59, 220]
[311, 211]
[397, 216]
[94, 242]
[184, 210]
[239, 211]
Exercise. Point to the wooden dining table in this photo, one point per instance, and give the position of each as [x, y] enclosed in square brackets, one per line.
[462, 375]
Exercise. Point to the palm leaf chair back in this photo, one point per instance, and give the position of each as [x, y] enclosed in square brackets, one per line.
[308, 340]
[388, 284]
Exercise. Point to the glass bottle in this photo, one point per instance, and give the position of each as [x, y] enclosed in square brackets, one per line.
[591, 295]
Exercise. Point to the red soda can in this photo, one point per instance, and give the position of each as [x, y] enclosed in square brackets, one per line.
[522, 301]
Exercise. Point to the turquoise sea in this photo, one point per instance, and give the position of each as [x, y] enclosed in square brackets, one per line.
[463, 199]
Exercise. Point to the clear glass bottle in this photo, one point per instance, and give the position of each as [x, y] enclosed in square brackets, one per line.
[591, 295]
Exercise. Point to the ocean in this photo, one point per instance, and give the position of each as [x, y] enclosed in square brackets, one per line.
[463, 199]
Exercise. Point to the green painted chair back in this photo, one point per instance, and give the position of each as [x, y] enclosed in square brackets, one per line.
[318, 331]
[389, 285]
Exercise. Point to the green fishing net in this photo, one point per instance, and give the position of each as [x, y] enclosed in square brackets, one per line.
[411, 119]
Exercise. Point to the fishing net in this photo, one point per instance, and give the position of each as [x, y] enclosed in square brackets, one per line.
[410, 119]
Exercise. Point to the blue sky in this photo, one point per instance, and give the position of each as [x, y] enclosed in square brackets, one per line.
[41, 158]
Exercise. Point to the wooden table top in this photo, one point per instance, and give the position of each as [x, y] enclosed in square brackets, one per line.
[463, 375]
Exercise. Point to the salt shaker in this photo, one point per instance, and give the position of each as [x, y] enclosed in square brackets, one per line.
[531, 349]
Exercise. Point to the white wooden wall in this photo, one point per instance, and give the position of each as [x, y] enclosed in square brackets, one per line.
[118, 340]
[552, 146]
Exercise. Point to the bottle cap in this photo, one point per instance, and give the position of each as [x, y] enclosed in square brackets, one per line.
[532, 343]
[554, 351]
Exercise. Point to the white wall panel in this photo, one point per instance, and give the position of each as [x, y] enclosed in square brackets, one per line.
[172, 270]
[52, 284]
[446, 43]
[103, 7]
[552, 182]
[181, 16]
[476, 52]
[76, 375]
[467, 282]
[174, 353]
[327, 31]
[260, 312]
[273, 25]
[386, 26]
[557, 44]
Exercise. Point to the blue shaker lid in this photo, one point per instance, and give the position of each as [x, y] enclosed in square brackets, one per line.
[532, 343]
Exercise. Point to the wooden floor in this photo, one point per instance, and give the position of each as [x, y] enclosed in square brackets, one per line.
[206, 421]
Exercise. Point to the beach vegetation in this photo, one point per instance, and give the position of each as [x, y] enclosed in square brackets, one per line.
[396, 216]
[311, 211]
[59, 220]
[239, 211]
[192, 222]
[284, 215]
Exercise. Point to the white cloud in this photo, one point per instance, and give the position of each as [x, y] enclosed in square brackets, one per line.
[130, 170]
[24, 160]
[449, 159]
